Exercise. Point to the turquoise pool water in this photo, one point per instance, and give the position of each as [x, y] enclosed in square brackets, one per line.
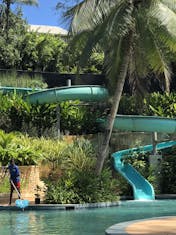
[80, 222]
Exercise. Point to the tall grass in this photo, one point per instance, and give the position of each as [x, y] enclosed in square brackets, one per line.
[11, 79]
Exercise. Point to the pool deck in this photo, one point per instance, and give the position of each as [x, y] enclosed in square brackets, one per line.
[153, 226]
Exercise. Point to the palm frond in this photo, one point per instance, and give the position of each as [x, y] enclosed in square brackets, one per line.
[170, 3]
[165, 16]
[156, 58]
[28, 2]
[112, 59]
[88, 13]
[105, 32]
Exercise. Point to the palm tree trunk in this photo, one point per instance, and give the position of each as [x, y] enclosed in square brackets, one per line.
[116, 100]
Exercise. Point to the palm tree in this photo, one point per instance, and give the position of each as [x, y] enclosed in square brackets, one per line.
[8, 4]
[135, 35]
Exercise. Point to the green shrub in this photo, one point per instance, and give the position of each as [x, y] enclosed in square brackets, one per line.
[11, 79]
[19, 147]
[163, 105]
[168, 169]
[82, 187]
[78, 183]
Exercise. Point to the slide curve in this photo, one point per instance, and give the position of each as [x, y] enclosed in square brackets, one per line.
[55, 95]
[142, 189]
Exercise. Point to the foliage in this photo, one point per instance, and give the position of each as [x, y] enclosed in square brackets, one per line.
[42, 52]
[11, 38]
[78, 183]
[13, 80]
[168, 169]
[33, 51]
[42, 117]
[6, 6]
[38, 190]
[154, 104]
[19, 147]
[95, 63]
[163, 105]
[140, 162]
[18, 115]
[53, 151]
[15, 109]
[71, 61]
[131, 105]
[78, 118]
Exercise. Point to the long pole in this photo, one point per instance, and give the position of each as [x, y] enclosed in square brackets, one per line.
[19, 195]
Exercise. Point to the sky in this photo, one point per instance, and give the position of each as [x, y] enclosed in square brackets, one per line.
[44, 14]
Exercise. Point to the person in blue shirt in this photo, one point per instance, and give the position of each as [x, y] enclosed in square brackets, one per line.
[14, 179]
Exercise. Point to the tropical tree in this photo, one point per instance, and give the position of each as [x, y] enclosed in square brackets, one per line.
[135, 35]
[7, 8]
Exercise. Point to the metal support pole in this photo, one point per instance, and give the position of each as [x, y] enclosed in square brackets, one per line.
[69, 82]
[154, 141]
[58, 114]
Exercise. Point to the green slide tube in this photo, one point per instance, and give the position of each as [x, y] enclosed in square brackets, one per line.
[55, 95]
[20, 90]
[142, 123]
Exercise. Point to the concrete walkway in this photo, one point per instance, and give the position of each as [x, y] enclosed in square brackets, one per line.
[154, 226]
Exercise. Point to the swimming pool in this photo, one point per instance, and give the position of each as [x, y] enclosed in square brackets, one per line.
[83, 221]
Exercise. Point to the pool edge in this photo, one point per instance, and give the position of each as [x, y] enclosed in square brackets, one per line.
[61, 206]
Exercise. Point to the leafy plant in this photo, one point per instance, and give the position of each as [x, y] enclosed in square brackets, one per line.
[53, 151]
[78, 183]
[38, 190]
[12, 79]
[163, 105]
[19, 147]
[168, 168]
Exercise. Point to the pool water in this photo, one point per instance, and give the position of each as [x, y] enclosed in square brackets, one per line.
[81, 222]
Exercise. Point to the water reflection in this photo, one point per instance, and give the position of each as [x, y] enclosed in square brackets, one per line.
[14, 223]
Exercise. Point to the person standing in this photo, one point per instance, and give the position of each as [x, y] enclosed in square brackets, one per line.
[14, 179]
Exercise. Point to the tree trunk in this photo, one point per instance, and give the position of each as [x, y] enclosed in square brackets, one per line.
[7, 12]
[110, 120]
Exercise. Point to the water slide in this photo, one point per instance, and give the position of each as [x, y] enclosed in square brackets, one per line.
[142, 189]
[55, 95]
[20, 90]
